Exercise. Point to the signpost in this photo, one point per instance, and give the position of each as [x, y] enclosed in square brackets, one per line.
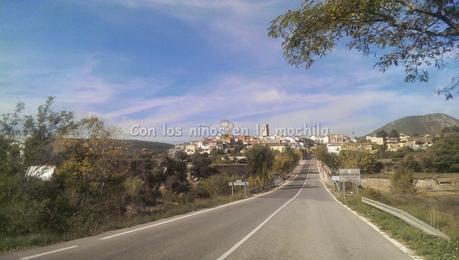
[335, 181]
[238, 183]
[349, 175]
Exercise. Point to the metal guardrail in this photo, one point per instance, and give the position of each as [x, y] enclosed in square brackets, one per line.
[413, 221]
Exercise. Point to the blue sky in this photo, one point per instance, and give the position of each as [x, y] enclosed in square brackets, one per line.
[189, 62]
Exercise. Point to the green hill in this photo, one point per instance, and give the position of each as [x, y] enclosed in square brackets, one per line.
[425, 124]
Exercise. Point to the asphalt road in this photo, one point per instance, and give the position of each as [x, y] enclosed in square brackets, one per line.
[300, 220]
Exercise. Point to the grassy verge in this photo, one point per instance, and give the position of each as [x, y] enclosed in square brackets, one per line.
[426, 246]
[439, 209]
[417, 175]
[165, 210]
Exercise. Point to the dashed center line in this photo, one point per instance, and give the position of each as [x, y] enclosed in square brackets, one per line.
[242, 241]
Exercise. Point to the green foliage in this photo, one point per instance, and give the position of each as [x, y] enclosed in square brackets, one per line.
[443, 155]
[381, 133]
[417, 34]
[402, 182]
[450, 129]
[202, 166]
[260, 163]
[98, 183]
[394, 134]
[175, 176]
[400, 153]
[41, 131]
[145, 178]
[285, 162]
[358, 158]
[427, 246]
[331, 160]
[410, 163]
[213, 186]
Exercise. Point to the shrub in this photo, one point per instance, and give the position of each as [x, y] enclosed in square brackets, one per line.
[216, 185]
[402, 182]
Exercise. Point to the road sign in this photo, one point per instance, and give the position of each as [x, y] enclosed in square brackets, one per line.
[238, 183]
[349, 175]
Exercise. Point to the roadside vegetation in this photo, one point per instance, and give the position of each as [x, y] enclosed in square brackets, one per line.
[424, 245]
[440, 209]
[441, 157]
[351, 157]
[99, 184]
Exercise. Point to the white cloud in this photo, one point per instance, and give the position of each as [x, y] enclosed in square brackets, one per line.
[232, 27]
[249, 100]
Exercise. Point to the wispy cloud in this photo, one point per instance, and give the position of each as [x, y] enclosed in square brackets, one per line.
[239, 74]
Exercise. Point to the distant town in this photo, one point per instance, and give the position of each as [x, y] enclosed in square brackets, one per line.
[234, 144]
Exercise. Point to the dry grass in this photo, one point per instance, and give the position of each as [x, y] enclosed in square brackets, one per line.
[439, 209]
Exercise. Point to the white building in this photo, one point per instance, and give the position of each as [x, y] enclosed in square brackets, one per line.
[334, 148]
[44, 172]
[375, 140]
[277, 147]
[320, 139]
[190, 149]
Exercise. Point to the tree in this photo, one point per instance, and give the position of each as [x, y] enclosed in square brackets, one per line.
[260, 163]
[443, 155]
[92, 172]
[394, 134]
[450, 129]
[402, 182]
[358, 158]
[418, 34]
[410, 163]
[175, 176]
[202, 166]
[30, 204]
[42, 130]
[330, 159]
[381, 133]
[286, 161]
[144, 181]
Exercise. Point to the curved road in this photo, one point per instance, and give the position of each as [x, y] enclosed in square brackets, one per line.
[300, 220]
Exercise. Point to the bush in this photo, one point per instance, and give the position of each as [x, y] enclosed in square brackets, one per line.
[216, 185]
[402, 182]
[411, 163]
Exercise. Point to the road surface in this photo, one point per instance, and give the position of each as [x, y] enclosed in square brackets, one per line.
[300, 220]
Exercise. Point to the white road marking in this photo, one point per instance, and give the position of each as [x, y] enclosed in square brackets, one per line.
[403, 248]
[242, 241]
[195, 213]
[48, 253]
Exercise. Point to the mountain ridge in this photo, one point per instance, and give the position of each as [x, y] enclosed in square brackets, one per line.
[420, 124]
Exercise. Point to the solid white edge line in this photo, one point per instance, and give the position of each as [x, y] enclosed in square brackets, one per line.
[48, 253]
[242, 241]
[400, 246]
[197, 212]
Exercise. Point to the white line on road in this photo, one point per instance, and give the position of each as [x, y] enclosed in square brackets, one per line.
[238, 244]
[48, 253]
[403, 248]
[194, 213]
